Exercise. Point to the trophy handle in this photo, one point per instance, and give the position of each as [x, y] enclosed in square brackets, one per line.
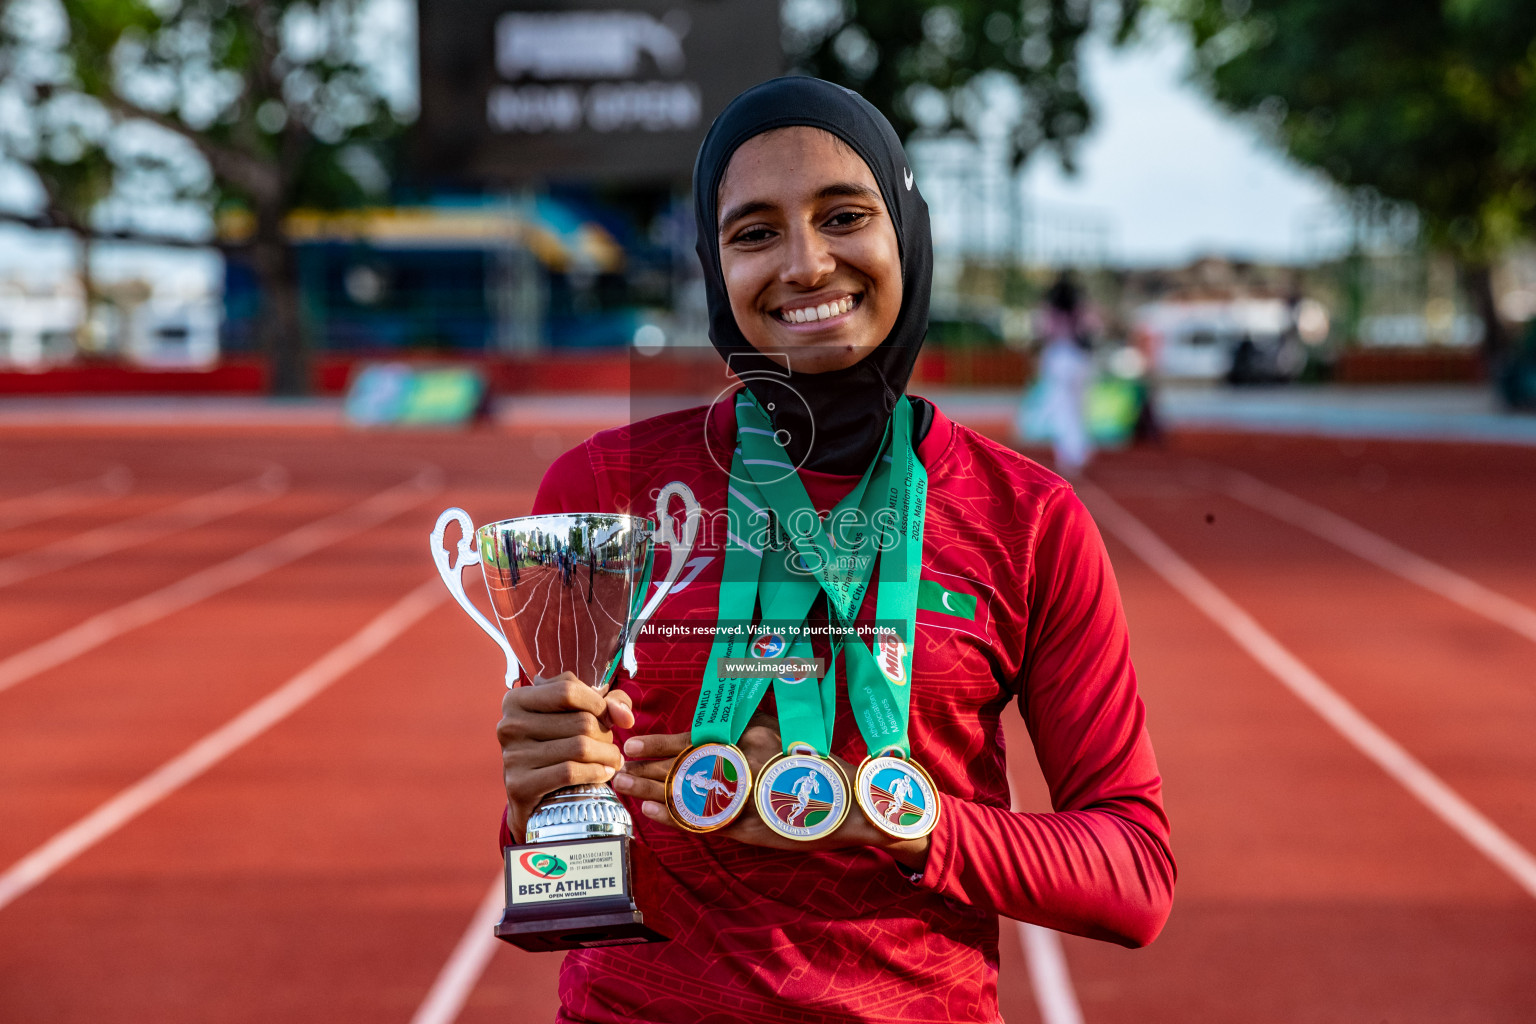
[453, 579]
[677, 549]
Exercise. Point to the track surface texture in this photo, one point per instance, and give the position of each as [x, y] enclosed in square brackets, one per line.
[321, 858]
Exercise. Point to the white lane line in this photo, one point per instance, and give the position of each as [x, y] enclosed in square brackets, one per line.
[32, 508]
[1444, 802]
[459, 975]
[1049, 978]
[185, 515]
[216, 579]
[1048, 975]
[1374, 548]
[64, 847]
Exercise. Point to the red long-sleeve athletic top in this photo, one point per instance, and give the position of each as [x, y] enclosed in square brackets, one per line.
[1021, 605]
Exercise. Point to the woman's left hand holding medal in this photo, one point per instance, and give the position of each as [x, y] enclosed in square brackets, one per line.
[648, 759]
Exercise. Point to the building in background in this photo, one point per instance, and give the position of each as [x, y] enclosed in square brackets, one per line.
[477, 275]
[547, 177]
[165, 321]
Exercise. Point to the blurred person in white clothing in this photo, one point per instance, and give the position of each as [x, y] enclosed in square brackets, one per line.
[1066, 370]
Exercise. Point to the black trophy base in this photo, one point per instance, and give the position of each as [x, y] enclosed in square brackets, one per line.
[578, 894]
[625, 928]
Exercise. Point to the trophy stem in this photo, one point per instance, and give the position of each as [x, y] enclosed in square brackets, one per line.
[579, 812]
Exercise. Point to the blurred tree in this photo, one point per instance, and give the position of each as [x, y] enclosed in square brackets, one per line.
[1429, 102]
[245, 108]
[942, 65]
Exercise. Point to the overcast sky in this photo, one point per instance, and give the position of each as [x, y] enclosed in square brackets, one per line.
[1173, 176]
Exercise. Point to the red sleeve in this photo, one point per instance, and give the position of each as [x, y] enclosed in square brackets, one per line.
[1100, 865]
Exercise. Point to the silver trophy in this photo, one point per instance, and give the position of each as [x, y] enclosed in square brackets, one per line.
[569, 595]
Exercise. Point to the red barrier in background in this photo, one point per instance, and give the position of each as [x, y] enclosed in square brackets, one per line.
[1409, 366]
[248, 376]
[106, 378]
[696, 372]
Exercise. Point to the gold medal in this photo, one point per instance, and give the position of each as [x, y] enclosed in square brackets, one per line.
[897, 796]
[802, 795]
[707, 786]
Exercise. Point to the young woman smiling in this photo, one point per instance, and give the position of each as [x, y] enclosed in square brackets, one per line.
[866, 881]
[807, 250]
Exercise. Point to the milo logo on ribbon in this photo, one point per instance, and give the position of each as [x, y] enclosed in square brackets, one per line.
[545, 865]
[892, 656]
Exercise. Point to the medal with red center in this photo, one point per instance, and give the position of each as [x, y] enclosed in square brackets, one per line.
[897, 796]
[707, 786]
[769, 645]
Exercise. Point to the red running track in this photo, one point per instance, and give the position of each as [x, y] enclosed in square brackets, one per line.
[326, 869]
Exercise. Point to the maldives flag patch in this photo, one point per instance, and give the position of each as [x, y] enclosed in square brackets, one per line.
[947, 601]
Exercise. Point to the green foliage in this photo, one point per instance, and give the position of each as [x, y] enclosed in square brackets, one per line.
[945, 332]
[270, 93]
[263, 105]
[929, 64]
[1430, 102]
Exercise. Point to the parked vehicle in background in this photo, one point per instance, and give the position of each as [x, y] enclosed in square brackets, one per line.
[174, 334]
[38, 323]
[168, 322]
[1246, 340]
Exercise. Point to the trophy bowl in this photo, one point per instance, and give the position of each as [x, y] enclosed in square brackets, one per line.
[568, 592]
[565, 590]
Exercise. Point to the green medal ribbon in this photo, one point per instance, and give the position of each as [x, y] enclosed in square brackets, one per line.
[726, 705]
[789, 589]
[880, 685]
[893, 488]
[786, 593]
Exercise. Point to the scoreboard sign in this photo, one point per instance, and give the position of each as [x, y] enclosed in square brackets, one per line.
[521, 90]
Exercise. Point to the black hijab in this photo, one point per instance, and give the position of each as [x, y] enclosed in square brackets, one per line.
[836, 422]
